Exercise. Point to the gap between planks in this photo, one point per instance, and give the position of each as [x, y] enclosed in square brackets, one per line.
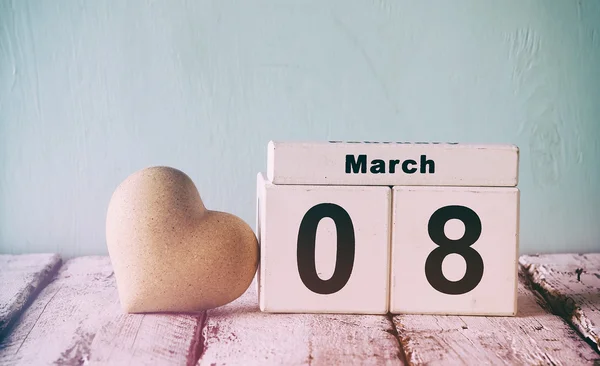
[240, 334]
[235, 334]
[570, 283]
[77, 319]
[22, 277]
[81, 305]
[533, 337]
[98, 332]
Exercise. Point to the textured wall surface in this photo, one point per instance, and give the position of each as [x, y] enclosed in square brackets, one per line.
[91, 91]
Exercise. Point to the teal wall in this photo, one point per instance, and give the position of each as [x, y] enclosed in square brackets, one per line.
[91, 91]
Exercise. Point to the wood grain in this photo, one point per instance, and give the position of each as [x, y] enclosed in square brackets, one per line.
[21, 278]
[149, 339]
[533, 337]
[77, 319]
[570, 283]
[239, 334]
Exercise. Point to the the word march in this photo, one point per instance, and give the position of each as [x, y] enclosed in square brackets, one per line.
[358, 164]
[375, 228]
[390, 164]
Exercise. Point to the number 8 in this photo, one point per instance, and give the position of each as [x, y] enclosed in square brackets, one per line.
[462, 247]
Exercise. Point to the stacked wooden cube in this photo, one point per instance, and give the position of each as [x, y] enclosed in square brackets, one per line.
[380, 227]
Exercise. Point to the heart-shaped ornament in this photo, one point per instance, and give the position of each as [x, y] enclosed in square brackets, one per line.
[169, 252]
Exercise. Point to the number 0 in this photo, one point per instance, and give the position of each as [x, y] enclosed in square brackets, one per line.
[306, 248]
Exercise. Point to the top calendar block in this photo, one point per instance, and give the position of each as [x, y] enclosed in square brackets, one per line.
[392, 164]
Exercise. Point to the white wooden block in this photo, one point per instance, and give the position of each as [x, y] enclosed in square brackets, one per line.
[392, 164]
[324, 249]
[454, 250]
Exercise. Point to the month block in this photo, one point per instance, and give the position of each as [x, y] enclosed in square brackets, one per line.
[323, 249]
[454, 250]
[392, 164]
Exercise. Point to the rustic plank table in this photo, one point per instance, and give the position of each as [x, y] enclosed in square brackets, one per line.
[55, 313]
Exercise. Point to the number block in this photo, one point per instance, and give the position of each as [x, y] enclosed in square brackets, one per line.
[454, 250]
[324, 249]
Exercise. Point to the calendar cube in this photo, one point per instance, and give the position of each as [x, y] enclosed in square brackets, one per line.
[454, 250]
[392, 163]
[324, 249]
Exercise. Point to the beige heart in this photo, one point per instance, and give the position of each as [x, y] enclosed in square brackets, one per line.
[169, 253]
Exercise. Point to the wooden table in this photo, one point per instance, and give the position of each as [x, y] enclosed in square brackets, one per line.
[55, 313]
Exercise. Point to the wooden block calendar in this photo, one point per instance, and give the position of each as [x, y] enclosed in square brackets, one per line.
[392, 164]
[389, 227]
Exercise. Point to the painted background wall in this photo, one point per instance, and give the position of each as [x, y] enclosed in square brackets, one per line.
[91, 91]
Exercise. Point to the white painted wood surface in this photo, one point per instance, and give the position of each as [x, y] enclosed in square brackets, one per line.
[77, 319]
[239, 334]
[21, 278]
[480, 223]
[148, 339]
[294, 218]
[392, 164]
[533, 337]
[571, 285]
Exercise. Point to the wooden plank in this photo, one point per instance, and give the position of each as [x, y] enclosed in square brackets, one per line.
[533, 337]
[21, 278]
[149, 339]
[571, 285]
[239, 334]
[77, 319]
